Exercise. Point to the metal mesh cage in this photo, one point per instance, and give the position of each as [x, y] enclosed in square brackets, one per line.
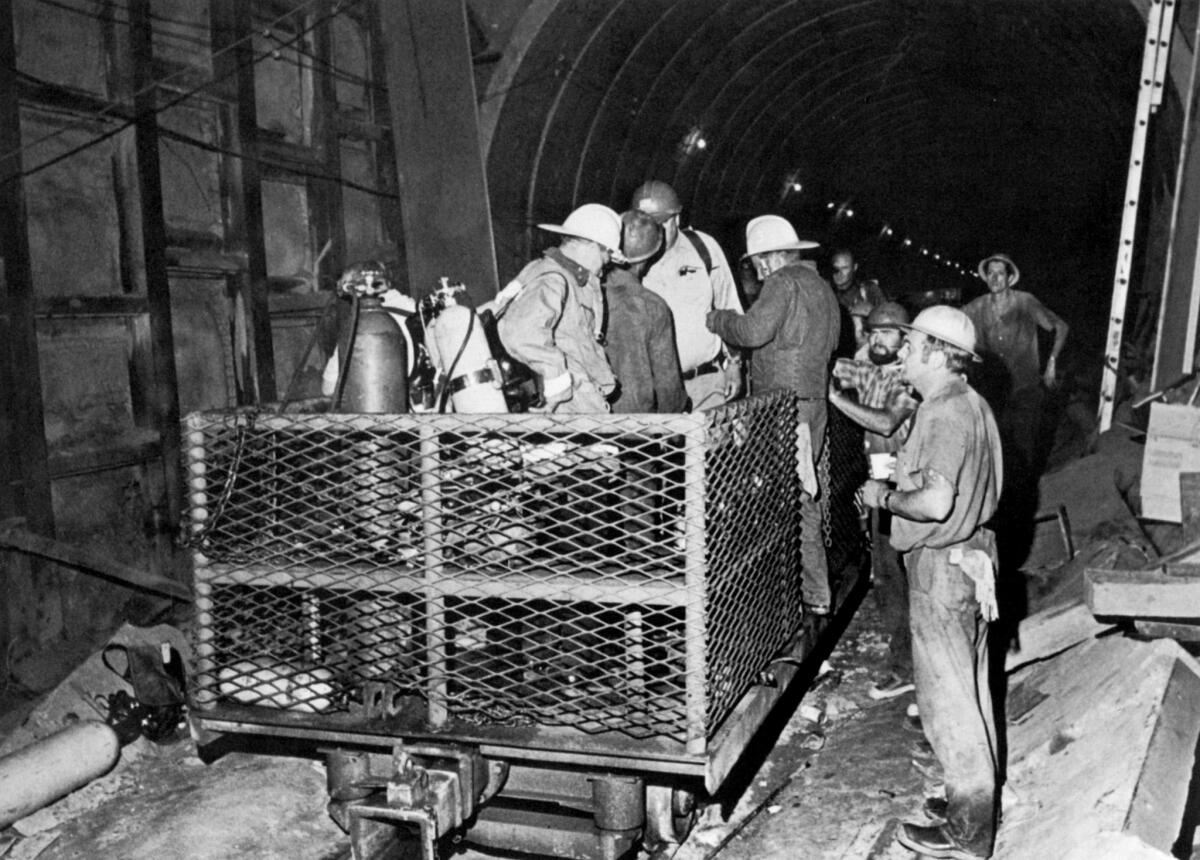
[606, 573]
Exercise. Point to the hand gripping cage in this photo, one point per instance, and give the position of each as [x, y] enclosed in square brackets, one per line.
[568, 579]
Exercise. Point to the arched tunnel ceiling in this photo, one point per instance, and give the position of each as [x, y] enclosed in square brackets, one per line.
[970, 124]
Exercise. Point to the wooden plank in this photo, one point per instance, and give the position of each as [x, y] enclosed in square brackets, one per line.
[1156, 811]
[1180, 632]
[164, 391]
[56, 307]
[431, 87]
[233, 55]
[1142, 593]
[1052, 631]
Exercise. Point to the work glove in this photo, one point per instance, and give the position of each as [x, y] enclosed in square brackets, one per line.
[977, 564]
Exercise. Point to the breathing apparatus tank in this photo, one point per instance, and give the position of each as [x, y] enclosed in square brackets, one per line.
[458, 347]
[375, 377]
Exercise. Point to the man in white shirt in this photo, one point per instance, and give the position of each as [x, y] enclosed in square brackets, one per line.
[693, 277]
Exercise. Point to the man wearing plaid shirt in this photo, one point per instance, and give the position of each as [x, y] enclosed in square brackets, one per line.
[884, 408]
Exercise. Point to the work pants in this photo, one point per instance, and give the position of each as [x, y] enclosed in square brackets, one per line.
[891, 594]
[950, 663]
[814, 565]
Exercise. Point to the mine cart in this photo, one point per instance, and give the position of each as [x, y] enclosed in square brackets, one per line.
[534, 632]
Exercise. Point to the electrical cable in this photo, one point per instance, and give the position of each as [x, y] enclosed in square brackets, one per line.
[220, 150]
[170, 103]
[107, 19]
[153, 85]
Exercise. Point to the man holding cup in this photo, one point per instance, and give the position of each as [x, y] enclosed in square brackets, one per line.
[884, 408]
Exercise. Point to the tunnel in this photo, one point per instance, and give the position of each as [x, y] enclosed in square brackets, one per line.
[183, 184]
[925, 134]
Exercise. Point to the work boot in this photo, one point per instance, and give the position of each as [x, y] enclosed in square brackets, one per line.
[935, 808]
[935, 841]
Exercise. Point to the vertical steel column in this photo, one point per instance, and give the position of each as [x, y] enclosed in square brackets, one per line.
[435, 602]
[1158, 33]
[231, 29]
[435, 124]
[695, 582]
[164, 394]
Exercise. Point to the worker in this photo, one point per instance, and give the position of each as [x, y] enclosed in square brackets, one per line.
[551, 315]
[693, 277]
[883, 408]
[1007, 321]
[851, 291]
[948, 476]
[640, 337]
[793, 329]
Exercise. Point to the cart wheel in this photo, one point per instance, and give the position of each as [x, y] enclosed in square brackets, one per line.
[670, 814]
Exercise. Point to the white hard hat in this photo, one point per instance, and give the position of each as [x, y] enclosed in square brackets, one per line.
[1014, 273]
[592, 221]
[773, 233]
[946, 324]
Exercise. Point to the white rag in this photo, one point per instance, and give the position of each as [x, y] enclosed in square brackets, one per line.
[977, 564]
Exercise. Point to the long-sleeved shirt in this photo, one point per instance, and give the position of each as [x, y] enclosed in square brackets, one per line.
[552, 323]
[793, 330]
[690, 292]
[640, 344]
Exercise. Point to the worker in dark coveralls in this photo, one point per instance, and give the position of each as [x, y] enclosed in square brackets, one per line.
[948, 480]
[551, 315]
[640, 337]
[793, 329]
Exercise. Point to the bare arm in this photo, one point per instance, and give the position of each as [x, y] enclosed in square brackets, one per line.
[881, 420]
[1048, 320]
[932, 503]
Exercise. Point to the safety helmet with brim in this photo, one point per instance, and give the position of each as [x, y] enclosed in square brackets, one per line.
[657, 199]
[594, 222]
[1014, 272]
[768, 233]
[887, 315]
[947, 324]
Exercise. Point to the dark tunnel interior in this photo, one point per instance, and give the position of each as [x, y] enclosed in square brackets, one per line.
[963, 127]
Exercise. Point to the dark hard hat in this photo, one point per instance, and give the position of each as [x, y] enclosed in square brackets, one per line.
[887, 315]
[641, 236]
[656, 198]
[368, 278]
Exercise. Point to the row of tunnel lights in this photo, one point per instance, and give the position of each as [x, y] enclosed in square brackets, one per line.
[694, 140]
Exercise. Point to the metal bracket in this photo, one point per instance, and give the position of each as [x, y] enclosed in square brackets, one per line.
[433, 787]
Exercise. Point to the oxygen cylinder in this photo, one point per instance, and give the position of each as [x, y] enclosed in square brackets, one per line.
[474, 379]
[376, 373]
[44, 771]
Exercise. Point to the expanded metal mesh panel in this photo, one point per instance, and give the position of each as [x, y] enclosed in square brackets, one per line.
[606, 573]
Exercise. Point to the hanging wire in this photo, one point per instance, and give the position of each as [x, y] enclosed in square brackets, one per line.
[170, 103]
[339, 8]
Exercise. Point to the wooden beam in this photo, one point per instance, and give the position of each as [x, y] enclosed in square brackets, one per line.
[24, 475]
[1156, 593]
[233, 54]
[431, 89]
[163, 402]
